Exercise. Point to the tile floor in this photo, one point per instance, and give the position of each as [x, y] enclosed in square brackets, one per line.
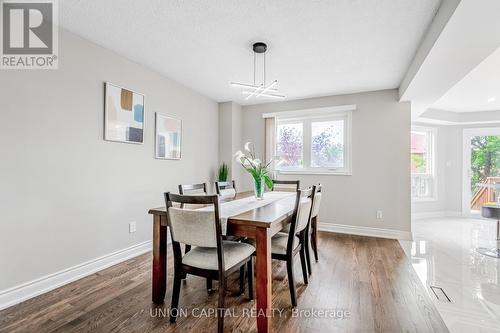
[444, 255]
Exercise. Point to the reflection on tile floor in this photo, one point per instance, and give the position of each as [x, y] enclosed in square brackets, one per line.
[444, 255]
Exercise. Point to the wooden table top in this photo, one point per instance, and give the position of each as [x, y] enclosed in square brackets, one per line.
[265, 216]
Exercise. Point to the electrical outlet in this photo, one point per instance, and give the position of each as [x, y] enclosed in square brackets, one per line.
[132, 227]
[379, 215]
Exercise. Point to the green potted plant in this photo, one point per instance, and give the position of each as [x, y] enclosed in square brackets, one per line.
[223, 172]
[256, 168]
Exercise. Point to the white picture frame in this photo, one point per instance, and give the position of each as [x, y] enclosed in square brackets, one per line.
[124, 114]
[168, 137]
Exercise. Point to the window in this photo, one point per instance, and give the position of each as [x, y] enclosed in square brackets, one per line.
[313, 142]
[423, 178]
[289, 146]
[327, 144]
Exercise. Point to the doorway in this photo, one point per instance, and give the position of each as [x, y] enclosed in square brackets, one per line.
[481, 166]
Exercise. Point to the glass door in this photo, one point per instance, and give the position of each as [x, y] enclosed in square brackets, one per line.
[482, 168]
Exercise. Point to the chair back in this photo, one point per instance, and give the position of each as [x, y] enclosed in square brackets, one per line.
[301, 215]
[286, 185]
[193, 189]
[226, 189]
[304, 209]
[316, 201]
[192, 226]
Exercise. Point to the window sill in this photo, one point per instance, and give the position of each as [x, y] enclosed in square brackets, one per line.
[314, 172]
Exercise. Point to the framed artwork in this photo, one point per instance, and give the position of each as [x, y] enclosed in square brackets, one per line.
[123, 115]
[168, 137]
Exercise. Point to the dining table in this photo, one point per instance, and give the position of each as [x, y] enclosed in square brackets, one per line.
[257, 219]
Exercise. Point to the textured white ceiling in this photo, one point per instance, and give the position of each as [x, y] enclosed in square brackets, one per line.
[477, 91]
[316, 47]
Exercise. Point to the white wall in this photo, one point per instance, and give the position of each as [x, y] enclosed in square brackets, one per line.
[66, 195]
[449, 171]
[381, 166]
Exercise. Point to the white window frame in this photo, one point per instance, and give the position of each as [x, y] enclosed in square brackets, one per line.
[306, 117]
[433, 161]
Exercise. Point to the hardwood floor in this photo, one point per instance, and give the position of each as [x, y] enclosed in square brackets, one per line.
[369, 277]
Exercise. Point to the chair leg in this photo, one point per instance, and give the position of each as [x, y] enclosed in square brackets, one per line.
[303, 263]
[242, 279]
[314, 238]
[291, 283]
[187, 248]
[250, 278]
[308, 253]
[221, 306]
[175, 297]
[209, 285]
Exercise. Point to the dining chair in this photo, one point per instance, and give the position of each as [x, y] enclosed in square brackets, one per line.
[286, 229]
[226, 189]
[211, 257]
[192, 189]
[286, 185]
[308, 232]
[314, 220]
[284, 246]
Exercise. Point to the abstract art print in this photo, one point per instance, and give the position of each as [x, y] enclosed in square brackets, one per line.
[168, 137]
[124, 115]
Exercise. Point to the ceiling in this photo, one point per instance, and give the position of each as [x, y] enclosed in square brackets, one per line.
[316, 48]
[477, 91]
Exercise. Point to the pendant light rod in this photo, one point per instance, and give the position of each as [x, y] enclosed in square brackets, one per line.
[262, 89]
[254, 60]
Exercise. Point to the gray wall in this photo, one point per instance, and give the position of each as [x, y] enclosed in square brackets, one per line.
[230, 136]
[67, 195]
[381, 166]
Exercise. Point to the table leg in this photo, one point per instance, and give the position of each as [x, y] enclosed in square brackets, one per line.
[264, 279]
[159, 260]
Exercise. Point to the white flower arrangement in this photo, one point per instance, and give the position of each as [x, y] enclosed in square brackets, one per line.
[253, 165]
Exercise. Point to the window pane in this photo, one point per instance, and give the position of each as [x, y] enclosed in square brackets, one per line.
[422, 178]
[422, 186]
[289, 144]
[419, 152]
[327, 145]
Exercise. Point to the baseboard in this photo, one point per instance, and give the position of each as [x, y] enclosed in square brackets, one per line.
[434, 215]
[47, 283]
[365, 231]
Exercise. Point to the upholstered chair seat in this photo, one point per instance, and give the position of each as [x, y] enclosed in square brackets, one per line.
[279, 243]
[206, 257]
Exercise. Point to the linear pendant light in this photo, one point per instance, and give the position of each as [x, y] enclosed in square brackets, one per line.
[259, 90]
